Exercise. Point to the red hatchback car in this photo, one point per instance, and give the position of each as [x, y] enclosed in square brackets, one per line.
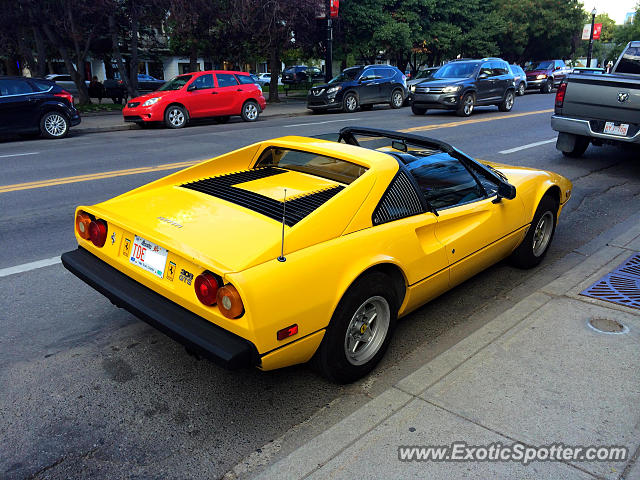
[213, 93]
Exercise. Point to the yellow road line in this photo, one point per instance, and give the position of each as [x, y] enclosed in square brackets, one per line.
[172, 166]
[94, 176]
[436, 126]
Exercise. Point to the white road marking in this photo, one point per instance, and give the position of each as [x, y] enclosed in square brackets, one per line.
[19, 154]
[25, 267]
[318, 123]
[524, 147]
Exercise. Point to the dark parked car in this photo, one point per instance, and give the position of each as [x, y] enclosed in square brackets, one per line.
[301, 74]
[546, 75]
[35, 105]
[360, 87]
[420, 76]
[462, 85]
[519, 79]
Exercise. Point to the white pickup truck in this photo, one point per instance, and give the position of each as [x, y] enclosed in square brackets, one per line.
[593, 108]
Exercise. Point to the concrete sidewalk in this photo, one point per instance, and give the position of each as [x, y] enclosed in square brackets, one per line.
[112, 121]
[537, 374]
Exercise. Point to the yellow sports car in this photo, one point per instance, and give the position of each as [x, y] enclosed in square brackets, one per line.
[298, 249]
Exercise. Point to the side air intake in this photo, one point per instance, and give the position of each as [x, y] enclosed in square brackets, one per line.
[399, 201]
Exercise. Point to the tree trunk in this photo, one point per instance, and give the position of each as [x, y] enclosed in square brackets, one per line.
[274, 63]
[193, 57]
[118, 56]
[83, 91]
[41, 52]
[135, 26]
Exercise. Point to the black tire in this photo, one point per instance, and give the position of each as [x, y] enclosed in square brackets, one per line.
[418, 110]
[521, 89]
[176, 116]
[331, 359]
[350, 103]
[581, 145]
[530, 253]
[366, 108]
[507, 102]
[547, 87]
[250, 111]
[54, 125]
[397, 99]
[467, 104]
[224, 119]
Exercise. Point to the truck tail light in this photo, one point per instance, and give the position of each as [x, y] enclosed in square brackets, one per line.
[562, 89]
[206, 286]
[66, 95]
[98, 232]
[229, 301]
[82, 225]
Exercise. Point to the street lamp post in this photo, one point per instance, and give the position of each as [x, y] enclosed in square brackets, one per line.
[329, 47]
[593, 22]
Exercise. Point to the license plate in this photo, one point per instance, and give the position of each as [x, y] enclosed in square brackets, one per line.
[148, 255]
[613, 129]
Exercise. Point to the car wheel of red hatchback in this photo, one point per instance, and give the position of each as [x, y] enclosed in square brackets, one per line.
[250, 111]
[175, 116]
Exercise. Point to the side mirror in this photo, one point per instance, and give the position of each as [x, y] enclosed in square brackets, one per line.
[506, 190]
[192, 87]
[482, 76]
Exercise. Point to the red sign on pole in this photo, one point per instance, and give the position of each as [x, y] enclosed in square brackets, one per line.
[597, 30]
[321, 11]
[335, 4]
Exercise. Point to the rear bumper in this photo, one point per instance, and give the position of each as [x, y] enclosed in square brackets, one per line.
[198, 334]
[577, 126]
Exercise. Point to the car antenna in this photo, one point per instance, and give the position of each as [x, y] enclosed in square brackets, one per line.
[281, 258]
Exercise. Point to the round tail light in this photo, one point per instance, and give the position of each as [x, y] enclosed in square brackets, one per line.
[229, 302]
[206, 287]
[82, 225]
[98, 232]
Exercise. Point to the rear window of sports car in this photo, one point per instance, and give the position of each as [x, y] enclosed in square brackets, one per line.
[311, 163]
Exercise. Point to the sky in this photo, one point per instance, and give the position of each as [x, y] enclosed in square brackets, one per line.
[616, 9]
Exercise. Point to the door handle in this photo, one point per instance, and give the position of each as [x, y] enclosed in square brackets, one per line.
[214, 93]
[238, 89]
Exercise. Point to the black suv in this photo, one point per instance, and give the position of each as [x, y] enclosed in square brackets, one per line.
[463, 84]
[360, 87]
[35, 105]
[301, 74]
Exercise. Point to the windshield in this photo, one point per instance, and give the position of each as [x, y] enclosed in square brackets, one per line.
[540, 66]
[176, 83]
[457, 70]
[346, 76]
[424, 74]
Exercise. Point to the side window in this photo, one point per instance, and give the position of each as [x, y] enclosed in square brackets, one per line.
[244, 79]
[226, 80]
[629, 62]
[41, 85]
[14, 87]
[486, 69]
[204, 81]
[368, 74]
[444, 181]
[382, 72]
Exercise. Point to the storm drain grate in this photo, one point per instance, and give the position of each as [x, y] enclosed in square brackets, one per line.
[622, 286]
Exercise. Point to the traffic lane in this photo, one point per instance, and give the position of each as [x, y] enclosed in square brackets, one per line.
[127, 399]
[89, 153]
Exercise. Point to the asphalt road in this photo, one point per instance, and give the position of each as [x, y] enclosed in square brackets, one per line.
[87, 390]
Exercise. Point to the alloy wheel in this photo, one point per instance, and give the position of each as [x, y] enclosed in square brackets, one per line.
[397, 99]
[176, 117]
[55, 125]
[542, 234]
[251, 111]
[468, 105]
[351, 103]
[367, 330]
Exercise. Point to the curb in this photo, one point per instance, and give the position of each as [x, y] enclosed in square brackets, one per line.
[133, 126]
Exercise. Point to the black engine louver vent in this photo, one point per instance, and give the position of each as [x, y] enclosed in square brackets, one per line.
[399, 201]
[223, 187]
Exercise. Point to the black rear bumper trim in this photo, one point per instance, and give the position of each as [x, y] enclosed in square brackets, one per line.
[196, 333]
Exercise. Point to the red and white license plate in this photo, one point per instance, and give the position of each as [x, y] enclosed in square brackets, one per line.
[148, 255]
[619, 129]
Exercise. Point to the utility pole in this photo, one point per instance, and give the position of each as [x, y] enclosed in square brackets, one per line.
[329, 54]
[593, 22]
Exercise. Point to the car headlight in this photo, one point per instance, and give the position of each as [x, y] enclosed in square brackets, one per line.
[412, 88]
[541, 76]
[333, 90]
[151, 101]
[451, 89]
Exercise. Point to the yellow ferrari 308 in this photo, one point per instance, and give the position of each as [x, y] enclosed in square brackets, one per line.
[304, 249]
